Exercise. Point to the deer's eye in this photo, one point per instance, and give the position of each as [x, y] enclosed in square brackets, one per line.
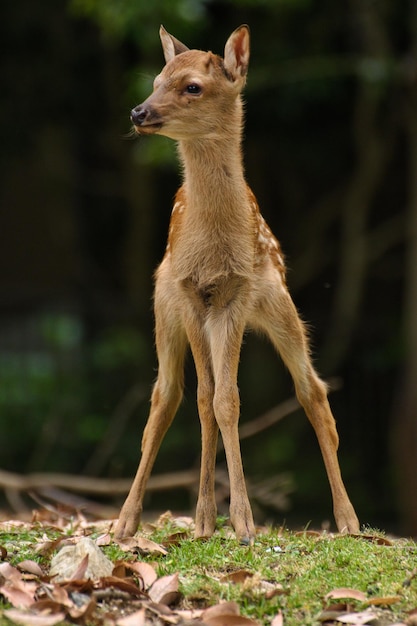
[193, 89]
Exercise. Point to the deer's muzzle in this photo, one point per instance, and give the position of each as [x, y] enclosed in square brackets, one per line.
[145, 119]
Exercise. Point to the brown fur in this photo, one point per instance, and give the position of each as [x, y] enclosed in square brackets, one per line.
[223, 271]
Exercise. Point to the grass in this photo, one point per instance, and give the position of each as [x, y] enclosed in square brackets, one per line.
[21, 543]
[282, 572]
[302, 568]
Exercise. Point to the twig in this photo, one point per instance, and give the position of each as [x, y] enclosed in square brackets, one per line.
[277, 413]
[87, 484]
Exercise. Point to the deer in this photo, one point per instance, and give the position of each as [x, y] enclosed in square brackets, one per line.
[223, 272]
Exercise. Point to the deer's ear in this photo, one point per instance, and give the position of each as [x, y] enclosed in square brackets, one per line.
[170, 45]
[236, 53]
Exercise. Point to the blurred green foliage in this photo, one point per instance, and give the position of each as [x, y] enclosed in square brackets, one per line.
[56, 398]
[136, 20]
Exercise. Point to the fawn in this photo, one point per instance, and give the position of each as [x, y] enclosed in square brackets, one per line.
[223, 271]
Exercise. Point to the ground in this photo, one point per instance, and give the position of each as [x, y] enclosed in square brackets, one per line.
[162, 576]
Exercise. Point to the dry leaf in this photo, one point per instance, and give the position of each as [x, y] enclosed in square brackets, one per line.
[384, 601]
[161, 610]
[104, 540]
[144, 570]
[225, 614]
[81, 607]
[175, 538]
[345, 592]
[357, 619]
[27, 618]
[164, 518]
[3, 553]
[224, 608]
[119, 569]
[56, 593]
[141, 544]
[165, 590]
[278, 620]
[48, 606]
[46, 545]
[9, 572]
[135, 619]
[237, 577]
[148, 528]
[80, 572]
[185, 522]
[10, 525]
[80, 586]
[188, 615]
[17, 591]
[230, 620]
[308, 533]
[150, 547]
[381, 541]
[119, 583]
[17, 596]
[30, 567]
[274, 590]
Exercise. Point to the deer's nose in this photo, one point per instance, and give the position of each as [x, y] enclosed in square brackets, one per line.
[138, 115]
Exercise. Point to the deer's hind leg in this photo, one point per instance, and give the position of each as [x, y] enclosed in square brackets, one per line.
[171, 345]
[277, 317]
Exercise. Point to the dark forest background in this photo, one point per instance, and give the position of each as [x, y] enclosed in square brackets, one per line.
[331, 153]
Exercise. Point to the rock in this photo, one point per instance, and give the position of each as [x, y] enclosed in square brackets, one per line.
[69, 559]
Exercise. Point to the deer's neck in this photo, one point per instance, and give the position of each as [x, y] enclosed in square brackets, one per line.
[213, 171]
[213, 241]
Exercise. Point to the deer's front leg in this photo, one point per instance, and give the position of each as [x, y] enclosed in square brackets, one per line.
[171, 345]
[206, 511]
[163, 407]
[225, 340]
[226, 407]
